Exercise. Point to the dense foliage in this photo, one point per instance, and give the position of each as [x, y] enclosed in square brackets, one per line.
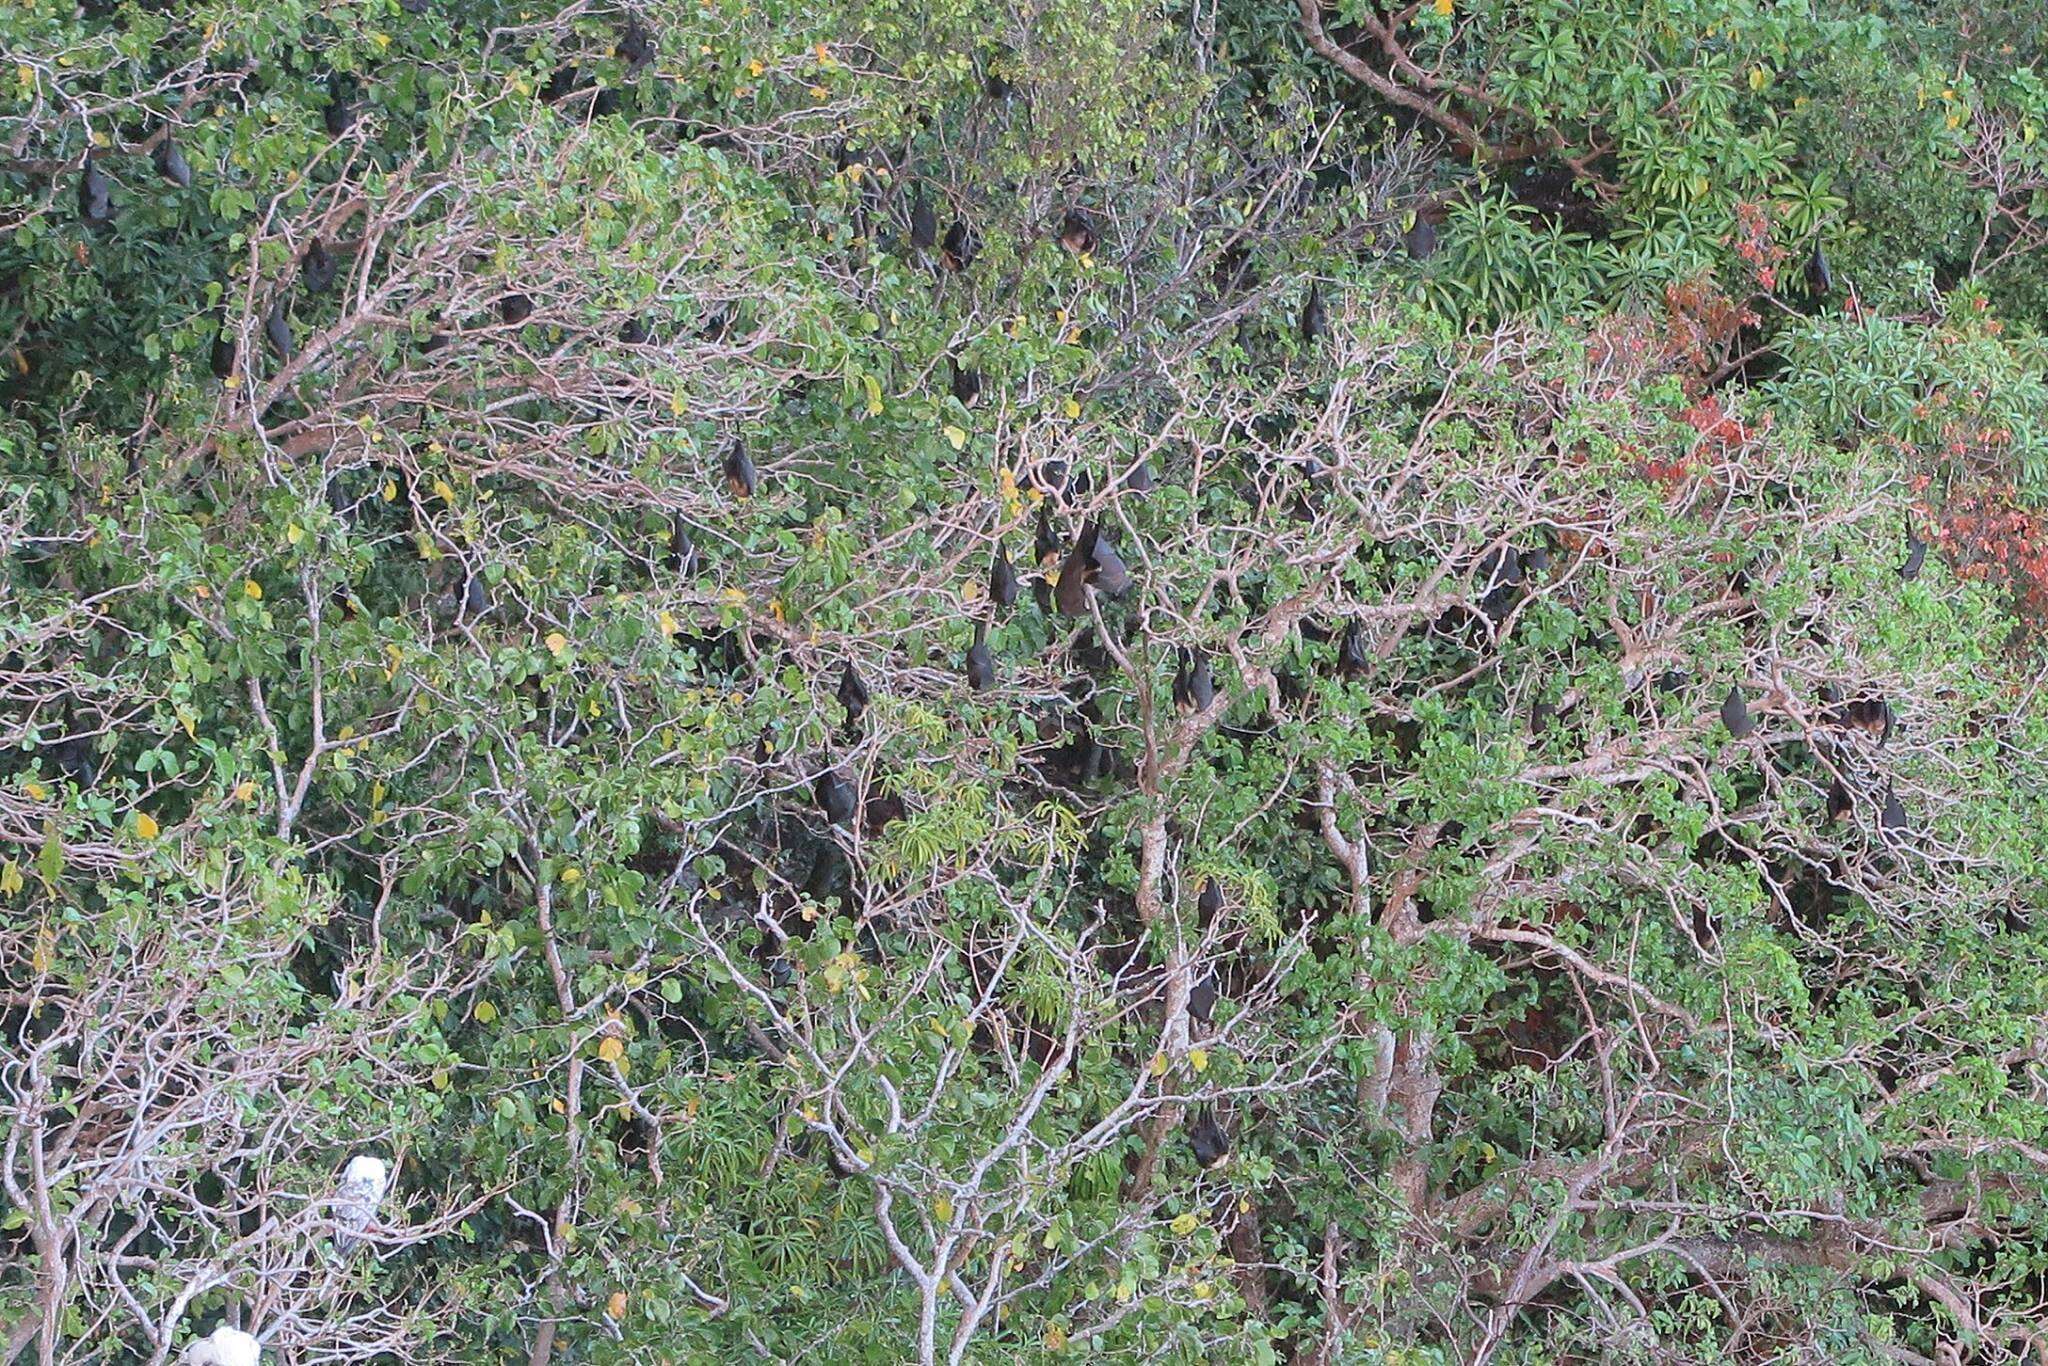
[890, 680]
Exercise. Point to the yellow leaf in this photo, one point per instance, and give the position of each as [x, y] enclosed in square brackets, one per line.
[10, 877]
[668, 624]
[390, 490]
[611, 1050]
[1204, 1291]
[293, 534]
[252, 590]
[443, 491]
[955, 438]
[44, 953]
[485, 1012]
[616, 1305]
[145, 825]
[1185, 1223]
[942, 1210]
[1444, 7]
[35, 790]
[1758, 78]
[1198, 1058]
[244, 790]
[819, 92]
[1055, 1337]
[572, 875]
[1158, 1064]
[1071, 408]
[557, 642]
[755, 67]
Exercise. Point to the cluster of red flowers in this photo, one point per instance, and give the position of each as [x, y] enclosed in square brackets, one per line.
[1988, 536]
[1704, 321]
[1755, 245]
[1716, 424]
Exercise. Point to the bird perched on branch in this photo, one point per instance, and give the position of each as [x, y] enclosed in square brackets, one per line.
[363, 1183]
[224, 1346]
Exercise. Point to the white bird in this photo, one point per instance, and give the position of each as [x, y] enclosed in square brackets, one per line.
[363, 1183]
[225, 1346]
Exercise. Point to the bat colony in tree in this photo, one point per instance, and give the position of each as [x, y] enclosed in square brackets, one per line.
[1392, 877]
